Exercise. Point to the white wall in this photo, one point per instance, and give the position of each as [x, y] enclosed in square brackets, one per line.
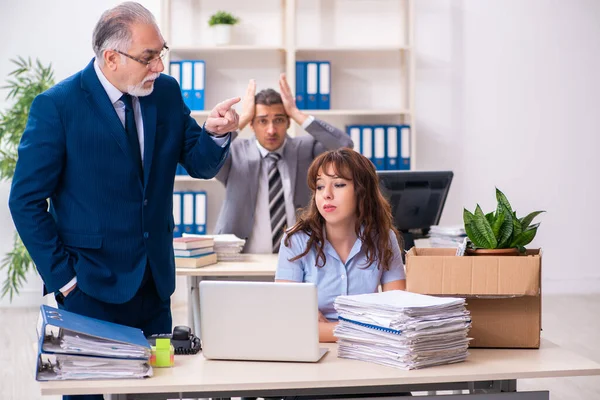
[507, 95]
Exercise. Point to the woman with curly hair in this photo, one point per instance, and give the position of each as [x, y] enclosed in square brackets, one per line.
[344, 241]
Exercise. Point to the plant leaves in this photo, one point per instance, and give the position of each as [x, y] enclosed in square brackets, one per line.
[483, 230]
[506, 230]
[28, 80]
[490, 218]
[468, 217]
[473, 236]
[501, 198]
[525, 221]
[516, 226]
[497, 221]
[524, 238]
[16, 263]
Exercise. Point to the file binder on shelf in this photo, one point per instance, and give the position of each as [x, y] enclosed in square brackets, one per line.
[405, 147]
[312, 85]
[187, 82]
[301, 85]
[177, 226]
[200, 212]
[198, 89]
[324, 85]
[392, 143]
[187, 215]
[367, 142]
[379, 153]
[175, 71]
[354, 132]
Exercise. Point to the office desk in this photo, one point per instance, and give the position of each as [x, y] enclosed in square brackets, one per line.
[251, 267]
[194, 376]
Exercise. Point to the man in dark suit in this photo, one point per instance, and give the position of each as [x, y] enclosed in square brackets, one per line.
[265, 176]
[103, 146]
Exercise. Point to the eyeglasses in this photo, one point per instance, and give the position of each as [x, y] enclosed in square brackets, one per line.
[150, 64]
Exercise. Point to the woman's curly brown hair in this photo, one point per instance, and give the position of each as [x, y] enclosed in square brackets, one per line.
[373, 211]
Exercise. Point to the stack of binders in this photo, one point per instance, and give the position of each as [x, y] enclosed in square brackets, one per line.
[189, 212]
[313, 85]
[387, 146]
[194, 252]
[191, 76]
[72, 346]
[402, 329]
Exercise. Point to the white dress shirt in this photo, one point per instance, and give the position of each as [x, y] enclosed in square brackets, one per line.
[259, 241]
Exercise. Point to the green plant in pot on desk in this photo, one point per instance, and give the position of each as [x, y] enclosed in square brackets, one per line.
[500, 232]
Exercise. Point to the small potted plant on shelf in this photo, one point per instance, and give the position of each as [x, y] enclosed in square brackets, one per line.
[500, 232]
[221, 23]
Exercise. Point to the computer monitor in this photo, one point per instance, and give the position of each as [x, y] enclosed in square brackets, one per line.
[417, 199]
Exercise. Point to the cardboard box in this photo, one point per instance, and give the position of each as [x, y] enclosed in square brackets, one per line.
[503, 292]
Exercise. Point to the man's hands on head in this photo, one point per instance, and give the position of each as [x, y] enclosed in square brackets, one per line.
[248, 105]
[223, 118]
[289, 101]
[288, 98]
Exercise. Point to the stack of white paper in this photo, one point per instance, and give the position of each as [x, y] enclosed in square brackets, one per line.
[402, 329]
[446, 236]
[227, 246]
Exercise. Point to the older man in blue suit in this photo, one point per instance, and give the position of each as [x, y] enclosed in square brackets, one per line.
[103, 146]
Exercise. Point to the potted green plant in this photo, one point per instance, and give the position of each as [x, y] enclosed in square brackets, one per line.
[500, 232]
[26, 82]
[221, 23]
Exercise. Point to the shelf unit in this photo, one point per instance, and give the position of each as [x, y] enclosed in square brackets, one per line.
[370, 44]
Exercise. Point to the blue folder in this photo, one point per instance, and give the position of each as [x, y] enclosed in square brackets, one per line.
[54, 323]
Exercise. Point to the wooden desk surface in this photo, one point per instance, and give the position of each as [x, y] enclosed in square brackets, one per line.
[250, 265]
[196, 374]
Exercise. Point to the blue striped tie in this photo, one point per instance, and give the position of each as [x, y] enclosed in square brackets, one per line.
[276, 202]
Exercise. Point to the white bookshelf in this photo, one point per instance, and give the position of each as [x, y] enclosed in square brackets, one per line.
[370, 44]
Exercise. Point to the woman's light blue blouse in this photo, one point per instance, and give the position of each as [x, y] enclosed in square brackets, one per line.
[336, 278]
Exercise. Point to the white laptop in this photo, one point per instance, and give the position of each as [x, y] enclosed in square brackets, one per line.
[261, 321]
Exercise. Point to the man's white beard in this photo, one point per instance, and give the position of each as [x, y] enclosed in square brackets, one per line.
[139, 90]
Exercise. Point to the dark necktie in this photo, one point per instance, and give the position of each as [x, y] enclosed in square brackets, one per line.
[131, 131]
[276, 202]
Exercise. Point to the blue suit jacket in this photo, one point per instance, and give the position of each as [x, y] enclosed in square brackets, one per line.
[104, 224]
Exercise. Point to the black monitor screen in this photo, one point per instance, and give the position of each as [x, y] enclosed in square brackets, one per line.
[417, 197]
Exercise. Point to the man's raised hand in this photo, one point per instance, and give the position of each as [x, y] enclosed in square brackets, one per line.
[223, 119]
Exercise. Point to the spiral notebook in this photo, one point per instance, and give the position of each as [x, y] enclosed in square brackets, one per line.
[376, 327]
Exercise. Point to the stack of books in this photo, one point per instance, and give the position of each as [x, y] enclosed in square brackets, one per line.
[227, 246]
[402, 329]
[72, 346]
[194, 252]
[447, 236]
